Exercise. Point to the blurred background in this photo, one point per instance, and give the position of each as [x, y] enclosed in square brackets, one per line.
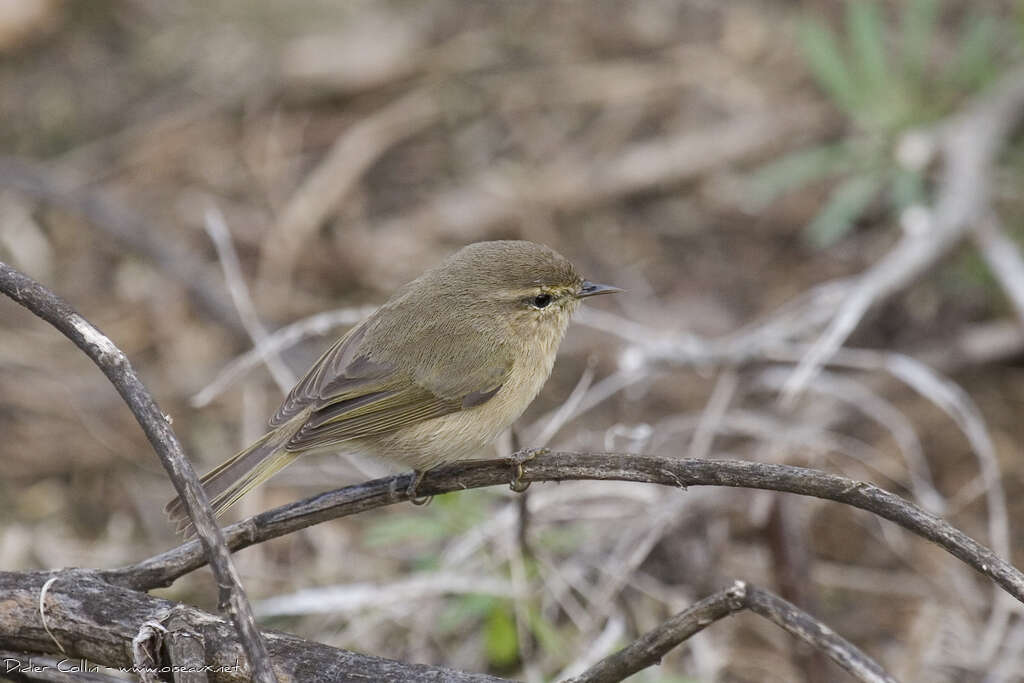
[195, 176]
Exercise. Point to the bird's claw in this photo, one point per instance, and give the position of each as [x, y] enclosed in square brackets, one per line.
[410, 491]
[517, 459]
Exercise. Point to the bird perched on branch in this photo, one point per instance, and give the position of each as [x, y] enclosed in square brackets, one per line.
[431, 377]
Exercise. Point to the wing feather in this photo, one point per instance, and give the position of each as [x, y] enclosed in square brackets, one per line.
[387, 416]
[338, 375]
[353, 396]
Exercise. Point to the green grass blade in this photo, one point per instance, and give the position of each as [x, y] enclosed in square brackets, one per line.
[905, 188]
[974, 63]
[918, 29]
[867, 41]
[500, 638]
[820, 48]
[845, 205]
[796, 170]
[1018, 20]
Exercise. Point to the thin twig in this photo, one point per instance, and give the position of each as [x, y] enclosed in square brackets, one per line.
[496, 196]
[944, 393]
[558, 418]
[220, 235]
[352, 597]
[1003, 258]
[115, 365]
[718, 403]
[951, 399]
[275, 342]
[42, 611]
[792, 321]
[608, 639]
[812, 631]
[164, 568]
[129, 230]
[655, 644]
[844, 389]
[788, 534]
[970, 141]
[330, 183]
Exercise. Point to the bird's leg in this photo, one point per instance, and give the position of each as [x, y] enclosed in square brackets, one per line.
[417, 477]
[517, 459]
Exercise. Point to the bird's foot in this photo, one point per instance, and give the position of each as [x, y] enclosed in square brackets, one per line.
[517, 459]
[410, 492]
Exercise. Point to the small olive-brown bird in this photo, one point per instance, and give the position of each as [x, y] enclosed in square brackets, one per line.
[432, 376]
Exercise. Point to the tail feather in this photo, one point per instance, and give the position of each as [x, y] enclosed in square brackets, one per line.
[236, 476]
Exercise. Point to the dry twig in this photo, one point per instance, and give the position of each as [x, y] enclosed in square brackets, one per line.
[653, 645]
[128, 230]
[115, 365]
[496, 197]
[1003, 257]
[164, 568]
[220, 235]
[970, 142]
[274, 343]
[331, 182]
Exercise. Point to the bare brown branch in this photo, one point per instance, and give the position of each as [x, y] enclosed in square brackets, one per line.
[96, 621]
[163, 569]
[655, 644]
[115, 365]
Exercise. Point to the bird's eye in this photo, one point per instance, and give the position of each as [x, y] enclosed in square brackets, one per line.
[541, 300]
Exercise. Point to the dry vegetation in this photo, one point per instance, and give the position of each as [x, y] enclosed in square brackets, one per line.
[194, 176]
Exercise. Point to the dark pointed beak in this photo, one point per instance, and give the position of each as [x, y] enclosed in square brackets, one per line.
[589, 288]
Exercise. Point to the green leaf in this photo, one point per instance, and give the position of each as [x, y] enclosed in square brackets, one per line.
[867, 40]
[500, 639]
[918, 24]
[845, 205]
[905, 188]
[820, 48]
[974, 62]
[1019, 12]
[796, 170]
[462, 609]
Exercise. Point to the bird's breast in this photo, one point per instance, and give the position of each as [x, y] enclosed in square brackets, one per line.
[465, 434]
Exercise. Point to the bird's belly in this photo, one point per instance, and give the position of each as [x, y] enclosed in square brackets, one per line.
[467, 433]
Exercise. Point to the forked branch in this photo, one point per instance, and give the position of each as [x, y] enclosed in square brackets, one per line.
[656, 643]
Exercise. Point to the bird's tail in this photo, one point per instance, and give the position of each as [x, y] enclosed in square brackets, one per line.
[238, 475]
